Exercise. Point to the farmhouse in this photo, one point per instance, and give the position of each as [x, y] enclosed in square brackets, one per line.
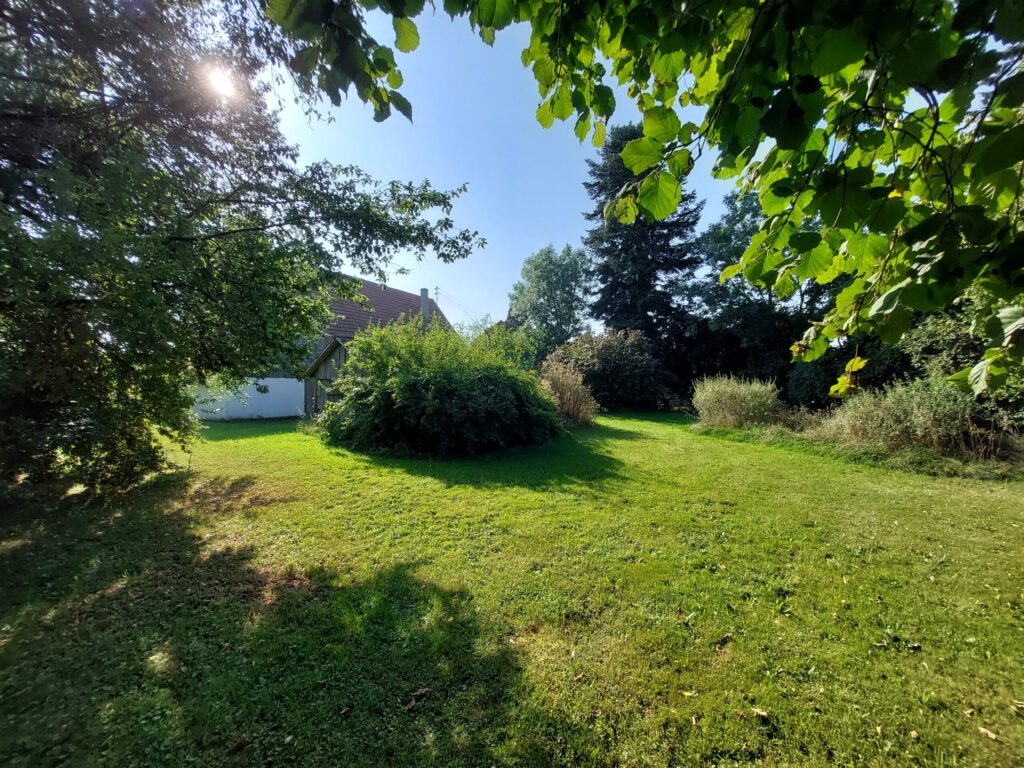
[278, 394]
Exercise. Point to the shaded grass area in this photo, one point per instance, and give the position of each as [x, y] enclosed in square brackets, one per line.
[633, 594]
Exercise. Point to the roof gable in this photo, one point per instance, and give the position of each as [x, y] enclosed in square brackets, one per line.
[383, 306]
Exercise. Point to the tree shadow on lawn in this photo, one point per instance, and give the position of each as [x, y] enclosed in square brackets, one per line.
[580, 459]
[129, 638]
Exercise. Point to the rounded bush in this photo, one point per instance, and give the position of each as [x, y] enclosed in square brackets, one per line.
[728, 401]
[410, 391]
[620, 369]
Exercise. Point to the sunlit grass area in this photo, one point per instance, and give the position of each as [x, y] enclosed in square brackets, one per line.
[636, 593]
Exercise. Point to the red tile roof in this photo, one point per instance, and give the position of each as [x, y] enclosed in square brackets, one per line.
[383, 306]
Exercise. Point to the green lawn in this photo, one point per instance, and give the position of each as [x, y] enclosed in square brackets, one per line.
[633, 594]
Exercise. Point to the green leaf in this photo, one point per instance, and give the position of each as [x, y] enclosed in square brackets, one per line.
[1010, 324]
[600, 132]
[544, 72]
[455, 7]
[837, 49]
[641, 154]
[669, 66]
[856, 364]
[660, 194]
[304, 61]
[680, 163]
[730, 271]
[282, 12]
[383, 57]
[561, 102]
[786, 122]
[661, 124]
[544, 115]
[1004, 150]
[407, 37]
[401, 104]
[582, 127]
[814, 262]
[603, 102]
[804, 241]
[496, 13]
[785, 286]
[625, 209]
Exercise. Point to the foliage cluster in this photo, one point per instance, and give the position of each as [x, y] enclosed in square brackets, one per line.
[406, 390]
[883, 139]
[155, 233]
[576, 405]
[732, 402]
[944, 342]
[620, 368]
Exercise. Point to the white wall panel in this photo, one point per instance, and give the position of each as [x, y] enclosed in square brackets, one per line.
[284, 398]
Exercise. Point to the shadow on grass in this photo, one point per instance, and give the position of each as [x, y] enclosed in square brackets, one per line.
[581, 458]
[129, 639]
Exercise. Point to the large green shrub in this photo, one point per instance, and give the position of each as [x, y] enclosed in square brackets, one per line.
[620, 369]
[410, 391]
[925, 414]
[729, 401]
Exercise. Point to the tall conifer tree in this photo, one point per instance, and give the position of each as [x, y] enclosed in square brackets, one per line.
[635, 264]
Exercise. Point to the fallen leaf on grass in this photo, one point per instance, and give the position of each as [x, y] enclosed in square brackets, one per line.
[987, 732]
[416, 698]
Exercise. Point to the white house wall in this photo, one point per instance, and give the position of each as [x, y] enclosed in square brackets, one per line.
[284, 398]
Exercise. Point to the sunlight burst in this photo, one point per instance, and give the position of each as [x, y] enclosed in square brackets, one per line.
[221, 82]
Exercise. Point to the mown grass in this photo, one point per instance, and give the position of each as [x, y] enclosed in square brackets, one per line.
[636, 593]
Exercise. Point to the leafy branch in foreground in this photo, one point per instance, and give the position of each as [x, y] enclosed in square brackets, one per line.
[884, 138]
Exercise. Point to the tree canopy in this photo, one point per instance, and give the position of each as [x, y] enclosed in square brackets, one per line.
[895, 126]
[156, 232]
[551, 298]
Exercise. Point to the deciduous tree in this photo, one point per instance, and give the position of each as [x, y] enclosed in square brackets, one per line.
[550, 300]
[155, 230]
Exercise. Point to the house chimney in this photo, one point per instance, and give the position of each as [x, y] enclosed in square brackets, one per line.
[425, 305]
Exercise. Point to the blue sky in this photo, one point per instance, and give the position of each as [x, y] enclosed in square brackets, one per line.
[473, 113]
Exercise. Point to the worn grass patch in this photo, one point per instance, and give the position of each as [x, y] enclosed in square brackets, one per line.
[633, 594]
